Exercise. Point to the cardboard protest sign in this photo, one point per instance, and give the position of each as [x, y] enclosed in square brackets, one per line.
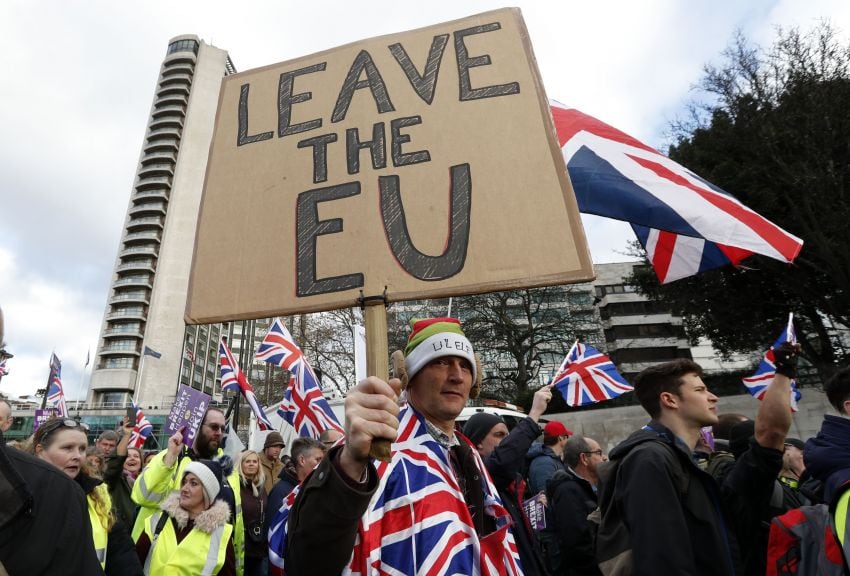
[424, 162]
[187, 413]
[42, 415]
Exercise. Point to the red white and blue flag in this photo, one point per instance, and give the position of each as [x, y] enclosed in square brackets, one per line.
[686, 225]
[234, 380]
[588, 376]
[141, 430]
[303, 405]
[418, 522]
[757, 383]
[3, 369]
[55, 393]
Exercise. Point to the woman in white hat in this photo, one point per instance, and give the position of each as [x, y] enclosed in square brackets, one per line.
[191, 533]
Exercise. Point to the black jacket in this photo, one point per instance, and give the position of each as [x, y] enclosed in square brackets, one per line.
[505, 465]
[44, 519]
[571, 499]
[827, 455]
[119, 490]
[671, 508]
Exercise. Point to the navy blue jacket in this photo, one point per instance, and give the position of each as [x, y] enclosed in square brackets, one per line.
[827, 455]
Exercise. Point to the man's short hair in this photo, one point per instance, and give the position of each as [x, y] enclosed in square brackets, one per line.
[574, 449]
[111, 435]
[837, 389]
[666, 377]
[723, 429]
[302, 446]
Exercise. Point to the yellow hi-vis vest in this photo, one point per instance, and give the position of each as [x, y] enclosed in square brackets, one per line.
[100, 523]
[839, 518]
[199, 553]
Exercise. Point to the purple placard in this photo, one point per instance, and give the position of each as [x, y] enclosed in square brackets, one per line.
[535, 511]
[42, 415]
[187, 413]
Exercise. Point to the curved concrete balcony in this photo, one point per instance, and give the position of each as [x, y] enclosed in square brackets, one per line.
[176, 79]
[154, 193]
[146, 265]
[171, 100]
[164, 155]
[169, 145]
[156, 170]
[140, 297]
[143, 250]
[173, 89]
[180, 56]
[146, 222]
[134, 281]
[124, 332]
[119, 351]
[179, 111]
[146, 183]
[126, 314]
[166, 122]
[152, 207]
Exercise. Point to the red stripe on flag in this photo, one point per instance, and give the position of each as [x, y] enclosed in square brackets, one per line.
[775, 236]
[663, 254]
[569, 122]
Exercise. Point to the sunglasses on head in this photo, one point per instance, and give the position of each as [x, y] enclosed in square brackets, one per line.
[52, 426]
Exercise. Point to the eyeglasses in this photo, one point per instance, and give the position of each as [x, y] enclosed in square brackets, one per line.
[55, 424]
[597, 452]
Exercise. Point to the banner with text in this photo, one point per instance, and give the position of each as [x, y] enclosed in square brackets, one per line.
[423, 162]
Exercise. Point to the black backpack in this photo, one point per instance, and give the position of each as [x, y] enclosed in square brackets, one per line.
[613, 542]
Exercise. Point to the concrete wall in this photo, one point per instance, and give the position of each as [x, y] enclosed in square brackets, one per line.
[610, 426]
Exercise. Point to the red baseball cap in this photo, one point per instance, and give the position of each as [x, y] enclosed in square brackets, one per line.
[554, 429]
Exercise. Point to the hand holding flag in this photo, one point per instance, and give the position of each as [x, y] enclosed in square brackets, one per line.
[780, 358]
[142, 428]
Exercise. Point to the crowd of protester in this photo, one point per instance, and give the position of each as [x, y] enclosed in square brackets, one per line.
[691, 492]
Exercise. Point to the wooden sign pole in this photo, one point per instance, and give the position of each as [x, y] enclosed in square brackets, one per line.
[377, 356]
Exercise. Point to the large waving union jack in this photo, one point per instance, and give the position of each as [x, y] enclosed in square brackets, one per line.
[141, 430]
[587, 376]
[418, 522]
[303, 405]
[686, 224]
[757, 383]
[234, 380]
[55, 392]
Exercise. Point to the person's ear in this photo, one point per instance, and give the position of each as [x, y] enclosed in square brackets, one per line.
[669, 400]
[847, 407]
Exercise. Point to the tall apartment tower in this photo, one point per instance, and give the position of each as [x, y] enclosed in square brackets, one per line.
[147, 297]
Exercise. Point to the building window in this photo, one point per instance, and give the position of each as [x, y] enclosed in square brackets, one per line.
[113, 398]
[183, 46]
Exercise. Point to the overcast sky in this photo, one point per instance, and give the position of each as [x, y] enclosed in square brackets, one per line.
[78, 81]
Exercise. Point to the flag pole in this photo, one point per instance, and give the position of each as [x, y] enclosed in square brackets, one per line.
[139, 375]
[377, 355]
[49, 379]
[82, 379]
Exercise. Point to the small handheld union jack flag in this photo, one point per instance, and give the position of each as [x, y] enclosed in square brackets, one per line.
[141, 430]
[757, 383]
[3, 369]
[303, 405]
[233, 379]
[587, 376]
[55, 393]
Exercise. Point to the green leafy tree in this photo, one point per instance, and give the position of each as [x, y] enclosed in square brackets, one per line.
[776, 135]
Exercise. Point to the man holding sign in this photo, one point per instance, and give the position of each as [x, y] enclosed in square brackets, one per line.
[435, 483]
[163, 474]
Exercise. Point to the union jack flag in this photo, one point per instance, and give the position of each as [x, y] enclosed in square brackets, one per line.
[234, 380]
[141, 430]
[418, 522]
[587, 376]
[686, 224]
[757, 383]
[3, 369]
[303, 405]
[55, 393]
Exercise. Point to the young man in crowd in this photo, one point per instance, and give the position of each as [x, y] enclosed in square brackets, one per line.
[678, 519]
[827, 455]
[270, 459]
[548, 458]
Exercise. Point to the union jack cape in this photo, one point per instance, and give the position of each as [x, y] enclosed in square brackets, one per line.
[233, 379]
[303, 405]
[55, 392]
[757, 383]
[686, 225]
[588, 376]
[141, 430]
[417, 522]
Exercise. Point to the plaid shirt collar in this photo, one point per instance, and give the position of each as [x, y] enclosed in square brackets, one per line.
[441, 437]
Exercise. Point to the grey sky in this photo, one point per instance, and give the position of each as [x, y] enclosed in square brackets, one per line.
[79, 79]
